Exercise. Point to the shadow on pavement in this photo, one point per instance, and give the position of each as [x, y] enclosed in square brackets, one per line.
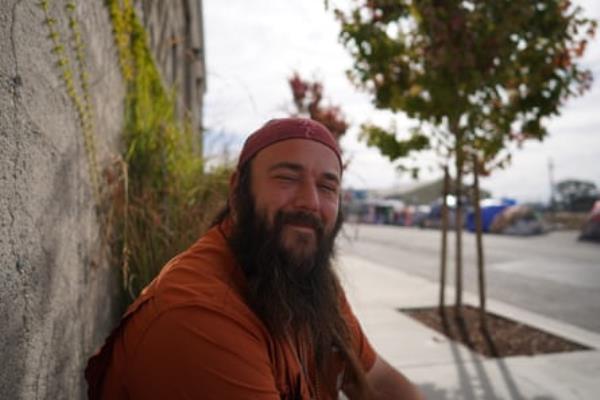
[480, 388]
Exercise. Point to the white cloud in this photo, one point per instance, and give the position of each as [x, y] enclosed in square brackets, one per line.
[254, 46]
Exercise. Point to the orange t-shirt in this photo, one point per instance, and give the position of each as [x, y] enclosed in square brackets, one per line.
[191, 335]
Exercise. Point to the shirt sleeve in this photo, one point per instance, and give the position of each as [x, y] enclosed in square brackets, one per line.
[197, 352]
[363, 348]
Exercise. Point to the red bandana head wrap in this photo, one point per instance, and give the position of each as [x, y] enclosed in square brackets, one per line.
[277, 130]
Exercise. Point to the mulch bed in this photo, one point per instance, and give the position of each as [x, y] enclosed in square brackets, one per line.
[506, 337]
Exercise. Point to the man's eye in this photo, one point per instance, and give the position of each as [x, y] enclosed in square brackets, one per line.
[328, 188]
[286, 178]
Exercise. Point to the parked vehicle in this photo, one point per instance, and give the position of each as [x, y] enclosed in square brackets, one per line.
[591, 228]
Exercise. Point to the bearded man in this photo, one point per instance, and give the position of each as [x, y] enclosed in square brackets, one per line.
[254, 309]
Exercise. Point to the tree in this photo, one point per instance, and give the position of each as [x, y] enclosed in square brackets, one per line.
[308, 98]
[444, 249]
[475, 75]
[576, 195]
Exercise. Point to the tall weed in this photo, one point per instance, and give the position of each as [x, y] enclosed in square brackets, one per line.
[161, 198]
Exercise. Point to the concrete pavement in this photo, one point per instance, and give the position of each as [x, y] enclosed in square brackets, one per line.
[447, 370]
[552, 275]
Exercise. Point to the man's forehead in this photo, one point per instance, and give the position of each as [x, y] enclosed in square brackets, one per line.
[300, 154]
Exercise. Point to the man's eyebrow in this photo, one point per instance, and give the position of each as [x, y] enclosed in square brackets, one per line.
[330, 176]
[286, 165]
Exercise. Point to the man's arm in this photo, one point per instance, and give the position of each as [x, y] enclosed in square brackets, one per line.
[389, 383]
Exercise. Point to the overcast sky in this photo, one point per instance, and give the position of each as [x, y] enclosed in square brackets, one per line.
[252, 47]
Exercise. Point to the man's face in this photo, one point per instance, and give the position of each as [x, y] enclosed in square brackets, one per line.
[284, 206]
[297, 177]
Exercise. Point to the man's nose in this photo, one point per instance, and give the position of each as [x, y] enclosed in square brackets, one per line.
[307, 197]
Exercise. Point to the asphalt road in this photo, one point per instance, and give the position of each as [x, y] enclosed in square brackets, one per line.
[553, 274]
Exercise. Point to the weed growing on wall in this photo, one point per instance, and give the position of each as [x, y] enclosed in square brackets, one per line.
[74, 76]
[163, 199]
[155, 199]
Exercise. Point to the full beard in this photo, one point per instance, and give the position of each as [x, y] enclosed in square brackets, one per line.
[290, 290]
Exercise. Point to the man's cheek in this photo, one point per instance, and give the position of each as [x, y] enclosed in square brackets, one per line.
[331, 223]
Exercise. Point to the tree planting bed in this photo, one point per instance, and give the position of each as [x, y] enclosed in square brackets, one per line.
[506, 337]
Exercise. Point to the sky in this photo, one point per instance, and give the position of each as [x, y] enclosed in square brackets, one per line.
[253, 47]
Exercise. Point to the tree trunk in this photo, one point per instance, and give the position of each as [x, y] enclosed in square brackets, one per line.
[479, 241]
[444, 252]
[458, 221]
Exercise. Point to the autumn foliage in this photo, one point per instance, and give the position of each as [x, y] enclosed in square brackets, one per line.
[478, 76]
[308, 102]
[482, 74]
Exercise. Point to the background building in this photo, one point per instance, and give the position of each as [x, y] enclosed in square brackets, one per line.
[176, 37]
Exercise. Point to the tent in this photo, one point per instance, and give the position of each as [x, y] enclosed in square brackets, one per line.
[518, 220]
[490, 209]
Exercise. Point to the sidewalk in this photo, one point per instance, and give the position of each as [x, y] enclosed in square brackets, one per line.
[447, 370]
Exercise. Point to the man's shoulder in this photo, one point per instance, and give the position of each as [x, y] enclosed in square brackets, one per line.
[206, 275]
[199, 289]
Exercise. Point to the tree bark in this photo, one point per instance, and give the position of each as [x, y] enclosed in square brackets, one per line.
[459, 152]
[444, 252]
[479, 241]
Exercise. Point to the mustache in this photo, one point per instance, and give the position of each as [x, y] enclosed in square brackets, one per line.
[301, 218]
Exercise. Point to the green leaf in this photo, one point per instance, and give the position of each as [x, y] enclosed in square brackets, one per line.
[486, 71]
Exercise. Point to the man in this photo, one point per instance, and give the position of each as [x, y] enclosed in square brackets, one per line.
[254, 310]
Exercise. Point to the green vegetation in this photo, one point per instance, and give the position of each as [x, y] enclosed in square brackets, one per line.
[476, 76]
[479, 77]
[76, 83]
[161, 197]
[155, 199]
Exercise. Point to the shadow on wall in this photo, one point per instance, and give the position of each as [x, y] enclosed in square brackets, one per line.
[28, 285]
[58, 305]
[54, 306]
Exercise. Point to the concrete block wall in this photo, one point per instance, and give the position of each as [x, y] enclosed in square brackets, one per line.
[57, 291]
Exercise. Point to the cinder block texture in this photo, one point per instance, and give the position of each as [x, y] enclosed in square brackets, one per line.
[57, 290]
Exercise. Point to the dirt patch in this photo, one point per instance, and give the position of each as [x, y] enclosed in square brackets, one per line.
[506, 337]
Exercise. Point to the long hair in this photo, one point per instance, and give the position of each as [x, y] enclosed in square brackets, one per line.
[314, 307]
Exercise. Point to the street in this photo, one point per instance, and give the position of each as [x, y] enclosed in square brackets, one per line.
[553, 274]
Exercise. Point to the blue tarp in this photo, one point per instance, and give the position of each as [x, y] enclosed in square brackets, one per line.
[488, 213]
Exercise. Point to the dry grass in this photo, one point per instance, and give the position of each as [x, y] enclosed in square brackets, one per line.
[158, 196]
